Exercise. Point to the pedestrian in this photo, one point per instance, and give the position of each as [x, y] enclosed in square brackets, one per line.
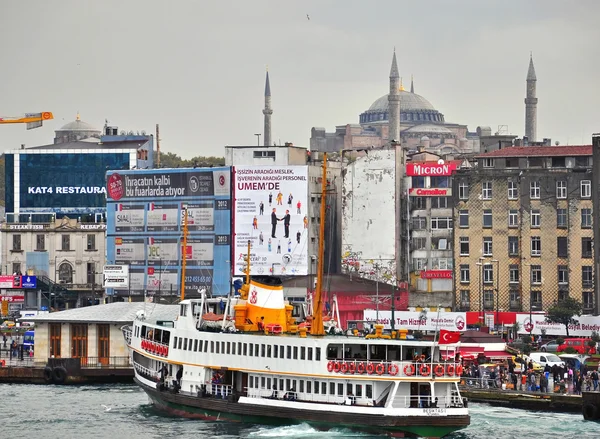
[544, 384]
[595, 380]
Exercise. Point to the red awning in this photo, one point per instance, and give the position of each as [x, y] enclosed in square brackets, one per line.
[466, 352]
[497, 354]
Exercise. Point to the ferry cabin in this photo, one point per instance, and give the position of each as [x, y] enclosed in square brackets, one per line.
[341, 369]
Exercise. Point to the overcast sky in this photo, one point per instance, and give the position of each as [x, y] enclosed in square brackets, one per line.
[197, 67]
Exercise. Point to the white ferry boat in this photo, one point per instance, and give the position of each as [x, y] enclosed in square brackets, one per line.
[255, 364]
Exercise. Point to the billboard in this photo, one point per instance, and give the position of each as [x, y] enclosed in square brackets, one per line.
[431, 169]
[583, 328]
[18, 282]
[116, 276]
[271, 211]
[145, 217]
[66, 182]
[417, 321]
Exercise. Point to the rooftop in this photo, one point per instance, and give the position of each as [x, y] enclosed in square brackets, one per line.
[87, 144]
[118, 312]
[540, 151]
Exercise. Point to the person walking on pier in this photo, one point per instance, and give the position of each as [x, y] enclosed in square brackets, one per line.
[595, 380]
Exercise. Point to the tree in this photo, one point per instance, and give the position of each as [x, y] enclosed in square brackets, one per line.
[172, 160]
[563, 312]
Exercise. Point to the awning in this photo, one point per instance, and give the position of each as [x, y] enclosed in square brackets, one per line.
[466, 352]
[497, 354]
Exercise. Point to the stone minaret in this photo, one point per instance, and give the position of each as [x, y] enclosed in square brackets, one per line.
[531, 104]
[267, 111]
[394, 102]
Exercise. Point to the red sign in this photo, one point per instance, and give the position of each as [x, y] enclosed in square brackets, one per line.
[426, 169]
[436, 274]
[13, 298]
[116, 187]
[422, 192]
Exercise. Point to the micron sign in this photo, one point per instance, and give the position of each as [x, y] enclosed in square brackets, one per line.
[430, 169]
[422, 192]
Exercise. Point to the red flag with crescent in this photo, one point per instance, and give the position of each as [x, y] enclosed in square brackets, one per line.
[447, 337]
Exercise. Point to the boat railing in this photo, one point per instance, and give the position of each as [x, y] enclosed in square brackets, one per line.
[290, 395]
[127, 334]
[219, 390]
[428, 401]
[145, 372]
[402, 369]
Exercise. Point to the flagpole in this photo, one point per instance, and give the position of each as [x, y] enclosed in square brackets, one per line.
[435, 339]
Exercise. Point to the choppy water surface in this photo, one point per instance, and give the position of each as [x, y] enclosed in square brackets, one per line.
[118, 411]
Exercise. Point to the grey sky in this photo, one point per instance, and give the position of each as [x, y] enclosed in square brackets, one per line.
[197, 67]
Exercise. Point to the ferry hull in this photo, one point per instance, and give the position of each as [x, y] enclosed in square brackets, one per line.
[216, 409]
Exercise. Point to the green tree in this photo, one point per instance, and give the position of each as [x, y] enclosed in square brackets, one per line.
[563, 312]
[172, 160]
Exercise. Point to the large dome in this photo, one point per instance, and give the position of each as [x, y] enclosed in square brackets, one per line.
[414, 109]
[408, 102]
[78, 125]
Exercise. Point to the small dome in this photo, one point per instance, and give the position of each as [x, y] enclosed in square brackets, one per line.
[408, 102]
[78, 125]
[430, 129]
[424, 139]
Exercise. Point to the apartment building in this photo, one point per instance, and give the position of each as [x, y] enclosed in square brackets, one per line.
[523, 235]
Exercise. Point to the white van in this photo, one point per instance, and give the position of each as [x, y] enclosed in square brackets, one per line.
[546, 358]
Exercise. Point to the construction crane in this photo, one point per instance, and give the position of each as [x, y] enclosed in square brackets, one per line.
[33, 120]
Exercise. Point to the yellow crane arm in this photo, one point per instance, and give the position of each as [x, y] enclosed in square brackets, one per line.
[35, 119]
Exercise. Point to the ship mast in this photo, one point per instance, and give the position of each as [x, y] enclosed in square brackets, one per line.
[184, 251]
[317, 321]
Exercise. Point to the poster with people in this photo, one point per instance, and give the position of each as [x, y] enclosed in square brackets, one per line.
[270, 211]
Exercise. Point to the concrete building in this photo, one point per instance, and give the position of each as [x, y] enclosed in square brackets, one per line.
[523, 229]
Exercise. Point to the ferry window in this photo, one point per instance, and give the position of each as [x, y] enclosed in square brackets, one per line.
[223, 347]
[281, 351]
[262, 382]
[185, 344]
[183, 310]
[348, 389]
[175, 344]
[269, 351]
[334, 351]
[324, 388]
[195, 345]
[332, 388]
[355, 351]
[179, 345]
[293, 385]
[251, 349]
[228, 348]
[281, 384]
[318, 354]
[275, 351]
[358, 388]
[212, 347]
[289, 352]
[239, 348]
[393, 353]
[251, 383]
[144, 331]
[369, 391]
[218, 348]
[302, 353]
[268, 383]
[316, 387]
[233, 348]
[205, 345]
[377, 352]
[262, 350]
[295, 352]
[256, 350]
[245, 349]
[301, 386]
[309, 387]
[340, 391]
[310, 354]
[287, 384]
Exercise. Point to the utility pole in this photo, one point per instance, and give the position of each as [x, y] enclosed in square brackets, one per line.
[258, 138]
[157, 147]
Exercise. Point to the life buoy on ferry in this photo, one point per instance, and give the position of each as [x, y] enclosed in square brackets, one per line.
[360, 368]
[424, 370]
[459, 370]
[336, 366]
[439, 370]
[409, 370]
[380, 368]
[166, 351]
[344, 367]
[450, 369]
[393, 369]
[330, 366]
[351, 367]
[370, 368]
[143, 344]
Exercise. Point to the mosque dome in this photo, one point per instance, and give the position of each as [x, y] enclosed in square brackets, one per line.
[408, 102]
[414, 109]
[78, 125]
[76, 131]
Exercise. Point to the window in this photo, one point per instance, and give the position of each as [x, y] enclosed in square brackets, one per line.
[66, 242]
[465, 275]
[418, 182]
[16, 267]
[91, 242]
[586, 247]
[40, 242]
[561, 218]
[487, 246]
[264, 154]
[515, 299]
[536, 299]
[586, 218]
[535, 162]
[463, 190]
[586, 188]
[464, 246]
[16, 243]
[439, 243]
[513, 218]
[534, 190]
[419, 223]
[91, 273]
[465, 299]
[487, 218]
[558, 162]
[587, 280]
[513, 272]
[561, 189]
[486, 190]
[488, 299]
[488, 163]
[439, 202]
[536, 274]
[441, 223]
[536, 218]
[463, 218]
[488, 274]
[563, 295]
[512, 162]
[65, 273]
[563, 274]
[513, 190]
[418, 203]
[582, 162]
[588, 299]
[439, 181]
[561, 247]
[513, 246]
[536, 246]
[418, 243]
[419, 264]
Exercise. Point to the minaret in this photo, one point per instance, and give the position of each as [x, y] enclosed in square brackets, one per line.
[531, 103]
[412, 84]
[267, 111]
[394, 102]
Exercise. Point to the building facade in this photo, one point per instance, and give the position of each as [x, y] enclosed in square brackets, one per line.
[523, 229]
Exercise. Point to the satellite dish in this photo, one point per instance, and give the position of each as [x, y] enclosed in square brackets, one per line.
[123, 133]
[143, 133]
[130, 133]
[440, 161]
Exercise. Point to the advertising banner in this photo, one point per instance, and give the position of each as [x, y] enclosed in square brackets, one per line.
[9, 282]
[429, 192]
[270, 208]
[430, 169]
[116, 276]
[584, 327]
[162, 217]
[129, 217]
[418, 321]
[129, 251]
[162, 279]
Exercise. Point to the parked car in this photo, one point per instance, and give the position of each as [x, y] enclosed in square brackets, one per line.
[551, 346]
[521, 362]
[579, 344]
[544, 359]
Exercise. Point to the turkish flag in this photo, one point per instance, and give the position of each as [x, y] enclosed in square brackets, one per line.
[447, 337]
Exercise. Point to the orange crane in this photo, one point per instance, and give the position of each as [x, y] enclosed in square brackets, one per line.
[33, 120]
